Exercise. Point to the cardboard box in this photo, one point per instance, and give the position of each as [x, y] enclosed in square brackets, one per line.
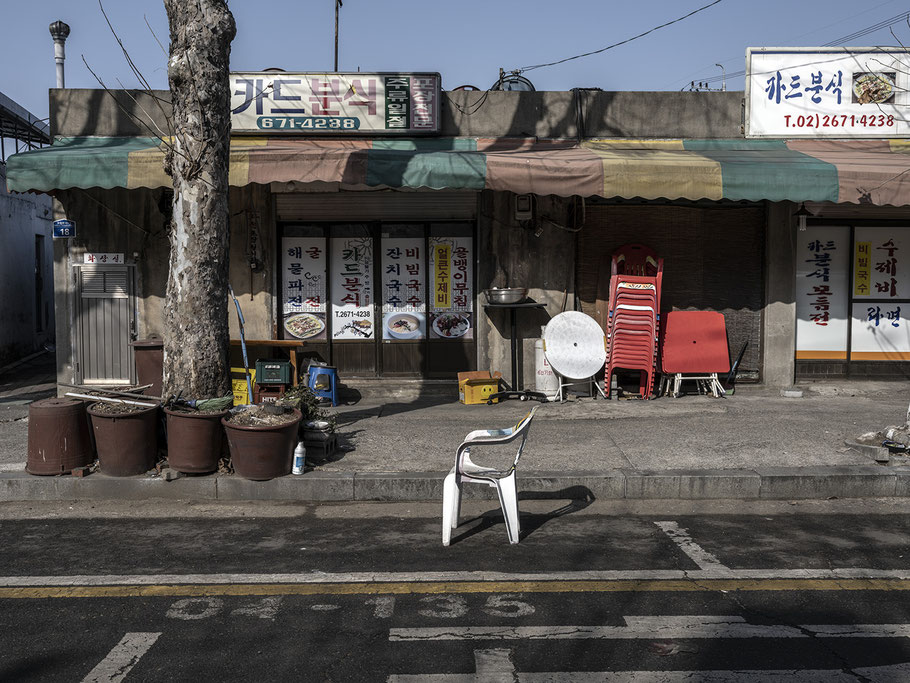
[475, 387]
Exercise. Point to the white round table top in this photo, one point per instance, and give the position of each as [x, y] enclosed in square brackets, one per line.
[575, 345]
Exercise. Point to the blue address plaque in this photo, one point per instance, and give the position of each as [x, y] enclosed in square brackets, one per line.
[64, 228]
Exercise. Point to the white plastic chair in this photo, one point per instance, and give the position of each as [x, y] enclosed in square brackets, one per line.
[465, 471]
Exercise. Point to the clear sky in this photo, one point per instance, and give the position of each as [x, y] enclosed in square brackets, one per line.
[467, 41]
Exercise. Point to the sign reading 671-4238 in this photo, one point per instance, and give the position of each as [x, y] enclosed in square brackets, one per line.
[335, 103]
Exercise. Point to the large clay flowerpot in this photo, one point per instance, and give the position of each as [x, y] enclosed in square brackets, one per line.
[58, 436]
[194, 440]
[262, 452]
[127, 443]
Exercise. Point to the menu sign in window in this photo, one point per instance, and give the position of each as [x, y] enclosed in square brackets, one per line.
[352, 288]
[452, 300]
[303, 262]
[822, 271]
[882, 270]
[881, 293]
[403, 289]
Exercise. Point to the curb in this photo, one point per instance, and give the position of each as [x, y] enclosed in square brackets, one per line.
[764, 483]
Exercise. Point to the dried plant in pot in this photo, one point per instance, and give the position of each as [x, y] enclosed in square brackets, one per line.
[261, 442]
[126, 437]
[317, 429]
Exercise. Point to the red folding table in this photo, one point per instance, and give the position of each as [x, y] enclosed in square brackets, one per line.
[693, 347]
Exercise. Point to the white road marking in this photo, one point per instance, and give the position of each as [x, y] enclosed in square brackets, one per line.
[493, 666]
[266, 608]
[431, 577]
[193, 609]
[696, 553]
[663, 627]
[122, 658]
[324, 608]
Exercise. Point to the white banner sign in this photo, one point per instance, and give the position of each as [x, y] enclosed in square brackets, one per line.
[452, 302]
[880, 332]
[404, 285]
[303, 262]
[882, 268]
[827, 92]
[822, 292]
[335, 103]
[352, 288]
[103, 258]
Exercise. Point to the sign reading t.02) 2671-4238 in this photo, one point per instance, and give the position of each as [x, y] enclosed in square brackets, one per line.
[335, 103]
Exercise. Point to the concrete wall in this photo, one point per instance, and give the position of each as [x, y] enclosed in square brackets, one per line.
[22, 217]
[484, 114]
[136, 223]
[512, 255]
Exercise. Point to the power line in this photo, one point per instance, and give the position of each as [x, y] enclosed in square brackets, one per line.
[904, 16]
[623, 42]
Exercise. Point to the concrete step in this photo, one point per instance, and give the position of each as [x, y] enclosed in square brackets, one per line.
[397, 389]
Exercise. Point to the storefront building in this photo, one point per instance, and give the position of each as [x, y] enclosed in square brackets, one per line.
[372, 250]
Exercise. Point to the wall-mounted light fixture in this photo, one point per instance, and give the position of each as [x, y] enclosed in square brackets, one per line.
[802, 213]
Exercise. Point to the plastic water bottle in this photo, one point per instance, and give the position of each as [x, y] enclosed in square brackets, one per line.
[299, 458]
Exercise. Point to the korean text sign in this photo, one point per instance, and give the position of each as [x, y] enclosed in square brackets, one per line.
[303, 264]
[452, 282]
[404, 288]
[352, 288]
[822, 272]
[827, 92]
[335, 103]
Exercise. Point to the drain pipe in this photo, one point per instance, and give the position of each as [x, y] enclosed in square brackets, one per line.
[59, 32]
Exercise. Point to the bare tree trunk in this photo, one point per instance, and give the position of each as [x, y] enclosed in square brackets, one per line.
[196, 339]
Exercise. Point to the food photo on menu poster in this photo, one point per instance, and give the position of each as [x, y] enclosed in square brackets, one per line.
[403, 289]
[452, 303]
[304, 283]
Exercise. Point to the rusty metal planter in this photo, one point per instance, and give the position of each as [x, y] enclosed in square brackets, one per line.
[127, 443]
[194, 440]
[58, 436]
[265, 452]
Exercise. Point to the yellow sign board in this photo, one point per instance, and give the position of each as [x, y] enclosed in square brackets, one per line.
[442, 277]
[862, 272]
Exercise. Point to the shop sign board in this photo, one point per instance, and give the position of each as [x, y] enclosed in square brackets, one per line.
[64, 228]
[303, 280]
[352, 288]
[103, 259]
[881, 294]
[452, 299]
[827, 92]
[822, 292]
[335, 103]
[403, 286]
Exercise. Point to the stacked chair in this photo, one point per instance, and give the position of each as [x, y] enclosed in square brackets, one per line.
[634, 315]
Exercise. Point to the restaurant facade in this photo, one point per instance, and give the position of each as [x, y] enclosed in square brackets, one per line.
[368, 243]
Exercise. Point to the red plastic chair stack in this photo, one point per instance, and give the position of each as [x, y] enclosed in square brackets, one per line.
[634, 315]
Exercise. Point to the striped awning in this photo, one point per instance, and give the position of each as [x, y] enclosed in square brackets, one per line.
[858, 171]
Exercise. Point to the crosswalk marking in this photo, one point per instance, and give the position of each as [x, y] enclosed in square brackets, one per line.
[122, 658]
[493, 666]
[653, 627]
[696, 553]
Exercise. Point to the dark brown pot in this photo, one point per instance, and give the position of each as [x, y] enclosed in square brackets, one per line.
[194, 440]
[149, 355]
[128, 443]
[58, 436]
[261, 453]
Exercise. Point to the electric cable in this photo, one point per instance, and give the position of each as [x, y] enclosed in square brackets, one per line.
[622, 42]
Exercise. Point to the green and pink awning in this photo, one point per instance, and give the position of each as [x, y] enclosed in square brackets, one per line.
[856, 171]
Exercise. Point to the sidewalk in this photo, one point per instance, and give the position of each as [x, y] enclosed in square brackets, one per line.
[753, 444]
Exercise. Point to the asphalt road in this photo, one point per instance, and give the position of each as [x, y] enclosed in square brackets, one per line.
[620, 591]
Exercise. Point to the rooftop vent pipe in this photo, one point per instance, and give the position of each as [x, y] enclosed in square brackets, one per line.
[59, 32]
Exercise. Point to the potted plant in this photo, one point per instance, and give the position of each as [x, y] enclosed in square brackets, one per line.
[317, 426]
[262, 441]
[126, 437]
[195, 434]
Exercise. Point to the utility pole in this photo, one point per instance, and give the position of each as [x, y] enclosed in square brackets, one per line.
[338, 4]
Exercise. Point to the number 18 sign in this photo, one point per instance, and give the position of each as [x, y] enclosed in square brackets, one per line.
[64, 228]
